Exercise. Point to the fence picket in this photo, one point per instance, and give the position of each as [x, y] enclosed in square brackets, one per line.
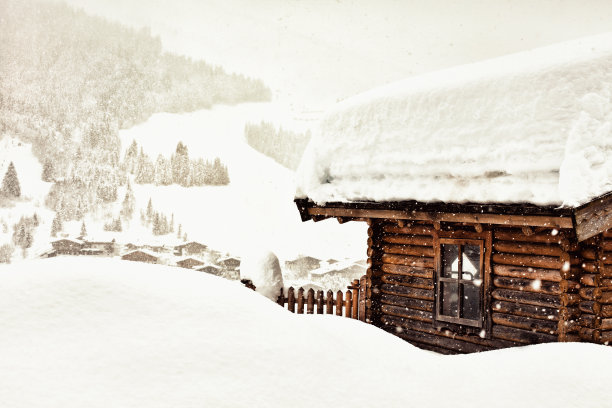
[310, 302]
[348, 304]
[291, 300]
[339, 303]
[362, 298]
[281, 298]
[355, 289]
[320, 302]
[329, 303]
[300, 301]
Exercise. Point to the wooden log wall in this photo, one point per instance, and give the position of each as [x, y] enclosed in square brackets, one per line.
[595, 322]
[534, 286]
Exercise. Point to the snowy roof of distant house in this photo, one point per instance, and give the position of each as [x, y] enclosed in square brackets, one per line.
[144, 251]
[187, 258]
[76, 241]
[532, 127]
[206, 266]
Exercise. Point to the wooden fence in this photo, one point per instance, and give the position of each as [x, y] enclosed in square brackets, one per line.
[350, 304]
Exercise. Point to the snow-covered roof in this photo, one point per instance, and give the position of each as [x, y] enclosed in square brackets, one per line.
[144, 251]
[531, 127]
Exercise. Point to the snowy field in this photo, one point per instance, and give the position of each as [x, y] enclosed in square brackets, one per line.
[257, 207]
[108, 333]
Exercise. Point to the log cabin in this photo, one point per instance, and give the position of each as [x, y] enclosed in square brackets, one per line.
[141, 255]
[487, 193]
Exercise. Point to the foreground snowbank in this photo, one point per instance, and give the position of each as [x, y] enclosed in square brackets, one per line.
[106, 333]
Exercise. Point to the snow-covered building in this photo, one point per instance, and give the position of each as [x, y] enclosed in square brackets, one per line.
[189, 262]
[67, 246]
[141, 255]
[488, 192]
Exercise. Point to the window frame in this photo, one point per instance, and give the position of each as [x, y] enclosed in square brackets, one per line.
[459, 324]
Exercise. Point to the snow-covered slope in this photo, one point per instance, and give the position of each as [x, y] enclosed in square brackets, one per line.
[529, 127]
[257, 207]
[109, 333]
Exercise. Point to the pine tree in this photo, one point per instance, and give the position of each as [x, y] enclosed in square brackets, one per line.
[56, 225]
[127, 208]
[10, 183]
[83, 229]
[171, 226]
[150, 210]
[179, 232]
[48, 171]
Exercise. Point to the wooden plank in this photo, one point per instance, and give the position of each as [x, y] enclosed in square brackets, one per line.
[546, 262]
[362, 298]
[527, 248]
[407, 291]
[402, 301]
[450, 343]
[521, 336]
[310, 300]
[527, 285]
[594, 217]
[528, 298]
[501, 219]
[418, 272]
[408, 313]
[410, 281]
[300, 301]
[515, 235]
[421, 251]
[408, 230]
[527, 323]
[536, 312]
[408, 260]
[416, 240]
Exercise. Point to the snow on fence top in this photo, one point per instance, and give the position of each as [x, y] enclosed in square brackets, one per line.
[529, 127]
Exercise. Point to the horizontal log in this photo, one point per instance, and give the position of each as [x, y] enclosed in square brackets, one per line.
[527, 323]
[590, 279]
[588, 334]
[589, 253]
[606, 244]
[606, 271]
[553, 275]
[437, 342]
[420, 315]
[417, 229]
[528, 248]
[427, 328]
[605, 337]
[416, 240]
[534, 261]
[418, 272]
[567, 326]
[569, 312]
[606, 258]
[408, 260]
[590, 307]
[527, 285]
[536, 312]
[421, 251]
[569, 299]
[590, 321]
[407, 291]
[529, 298]
[605, 324]
[589, 267]
[516, 235]
[605, 282]
[569, 286]
[605, 297]
[419, 304]
[521, 336]
[410, 281]
[590, 293]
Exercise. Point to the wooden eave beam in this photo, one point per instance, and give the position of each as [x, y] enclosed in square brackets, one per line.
[594, 218]
[500, 219]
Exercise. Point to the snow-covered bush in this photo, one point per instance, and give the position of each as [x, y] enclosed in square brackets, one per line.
[263, 270]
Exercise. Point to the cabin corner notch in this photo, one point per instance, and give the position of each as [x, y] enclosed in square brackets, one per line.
[594, 217]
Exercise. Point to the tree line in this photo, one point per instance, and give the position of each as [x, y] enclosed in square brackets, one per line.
[178, 169]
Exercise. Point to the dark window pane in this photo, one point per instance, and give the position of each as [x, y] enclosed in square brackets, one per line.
[471, 262]
[471, 302]
[450, 254]
[448, 299]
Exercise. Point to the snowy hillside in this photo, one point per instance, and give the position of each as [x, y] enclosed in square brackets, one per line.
[110, 333]
[257, 207]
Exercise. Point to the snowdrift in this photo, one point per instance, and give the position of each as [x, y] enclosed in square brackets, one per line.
[108, 333]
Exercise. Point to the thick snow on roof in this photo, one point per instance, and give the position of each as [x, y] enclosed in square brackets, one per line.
[107, 333]
[529, 127]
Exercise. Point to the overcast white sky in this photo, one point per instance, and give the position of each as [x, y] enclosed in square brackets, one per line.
[315, 52]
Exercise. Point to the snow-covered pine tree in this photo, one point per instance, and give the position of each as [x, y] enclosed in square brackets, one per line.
[127, 207]
[179, 232]
[150, 213]
[48, 171]
[56, 225]
[83, 229]
[10, 183]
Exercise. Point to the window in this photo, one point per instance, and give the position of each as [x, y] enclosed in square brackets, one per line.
[459, 282]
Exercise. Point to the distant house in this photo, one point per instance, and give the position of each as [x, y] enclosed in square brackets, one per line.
[189, 263]
[141, 255]
[190, 248]
[212, 269]
[303, 264]
[98, 247]
[67, 246]
[229, 263]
